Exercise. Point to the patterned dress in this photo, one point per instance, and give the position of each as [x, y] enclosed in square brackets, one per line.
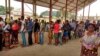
[89, 45]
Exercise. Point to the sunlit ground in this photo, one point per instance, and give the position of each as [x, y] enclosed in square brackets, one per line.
[72, 48]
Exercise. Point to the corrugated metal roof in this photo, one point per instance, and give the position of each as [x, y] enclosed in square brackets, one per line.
[60, 4]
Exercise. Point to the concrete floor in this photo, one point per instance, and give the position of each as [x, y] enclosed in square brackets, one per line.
[72, 48]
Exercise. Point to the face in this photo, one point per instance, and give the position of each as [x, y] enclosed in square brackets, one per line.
[91, 28]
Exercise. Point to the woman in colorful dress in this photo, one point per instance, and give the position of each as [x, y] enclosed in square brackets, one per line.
[6, 39]
[90, 42]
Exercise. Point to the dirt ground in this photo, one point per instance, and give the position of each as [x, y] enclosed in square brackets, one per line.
[72, 48]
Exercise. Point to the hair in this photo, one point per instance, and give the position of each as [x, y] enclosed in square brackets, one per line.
[15, 21]
[95, 28]
[36, 20]
[58, 21]
[1, 18]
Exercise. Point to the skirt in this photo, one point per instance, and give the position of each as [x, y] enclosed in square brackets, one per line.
[7, 39]
[87, 52]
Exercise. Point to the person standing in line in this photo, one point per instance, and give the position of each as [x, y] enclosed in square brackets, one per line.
[60, 32]
[56, 31]
[86, 24]
[2, 24]
[73, 26]
[36, 31]
[50, 26]
[90, 42]
[41, 33]
[66, 29]
[22, 30]
[15, 30]
[6, 34]
[80, 29]
[29, 29]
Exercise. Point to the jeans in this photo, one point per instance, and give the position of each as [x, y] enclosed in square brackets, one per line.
[23, 38]
[60, 37]
[41, 37]
[30, 37]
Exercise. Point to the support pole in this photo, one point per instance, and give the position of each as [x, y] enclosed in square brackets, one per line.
[22, 11]
[66, 12]
[76, 9]
[9, 9]
[89, 11]
[50, 12]
[83, 10]
[6, 7]
[34, 9]
[62, 13]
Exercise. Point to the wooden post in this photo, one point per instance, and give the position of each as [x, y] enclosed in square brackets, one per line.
[50, 12]
[22, 10]
[66, 12]
[89, 11]
[6, 7]
[83, 10]
[76, 9]
[9, 6]
[34, 9]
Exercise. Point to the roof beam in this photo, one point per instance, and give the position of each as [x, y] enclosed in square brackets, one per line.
[76, 10]
[79, 4]
[55, 2]
[68, 3]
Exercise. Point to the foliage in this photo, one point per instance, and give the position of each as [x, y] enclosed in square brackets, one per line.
[3, 10]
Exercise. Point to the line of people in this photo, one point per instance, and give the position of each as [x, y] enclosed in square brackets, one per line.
[57, 31]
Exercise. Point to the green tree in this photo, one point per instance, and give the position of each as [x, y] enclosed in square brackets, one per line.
[3, 10]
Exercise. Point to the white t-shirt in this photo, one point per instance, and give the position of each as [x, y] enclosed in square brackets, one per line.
[22, 26]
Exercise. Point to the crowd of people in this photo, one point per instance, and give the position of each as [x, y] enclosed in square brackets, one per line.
[58, 31]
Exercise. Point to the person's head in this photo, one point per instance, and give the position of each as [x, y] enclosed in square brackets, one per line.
[15, 21]
[11, 18]
[28, 18]
[81, 22]
[42, 21]
[19, 19]
[1, 18]
[94, 22]
[58, 21]
[91, 27]
[36, 20]
[87, 21]
[66, 21]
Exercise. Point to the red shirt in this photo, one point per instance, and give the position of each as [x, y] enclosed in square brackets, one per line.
[56, 28]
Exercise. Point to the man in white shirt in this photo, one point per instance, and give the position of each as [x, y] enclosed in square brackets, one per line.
[22, 30]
